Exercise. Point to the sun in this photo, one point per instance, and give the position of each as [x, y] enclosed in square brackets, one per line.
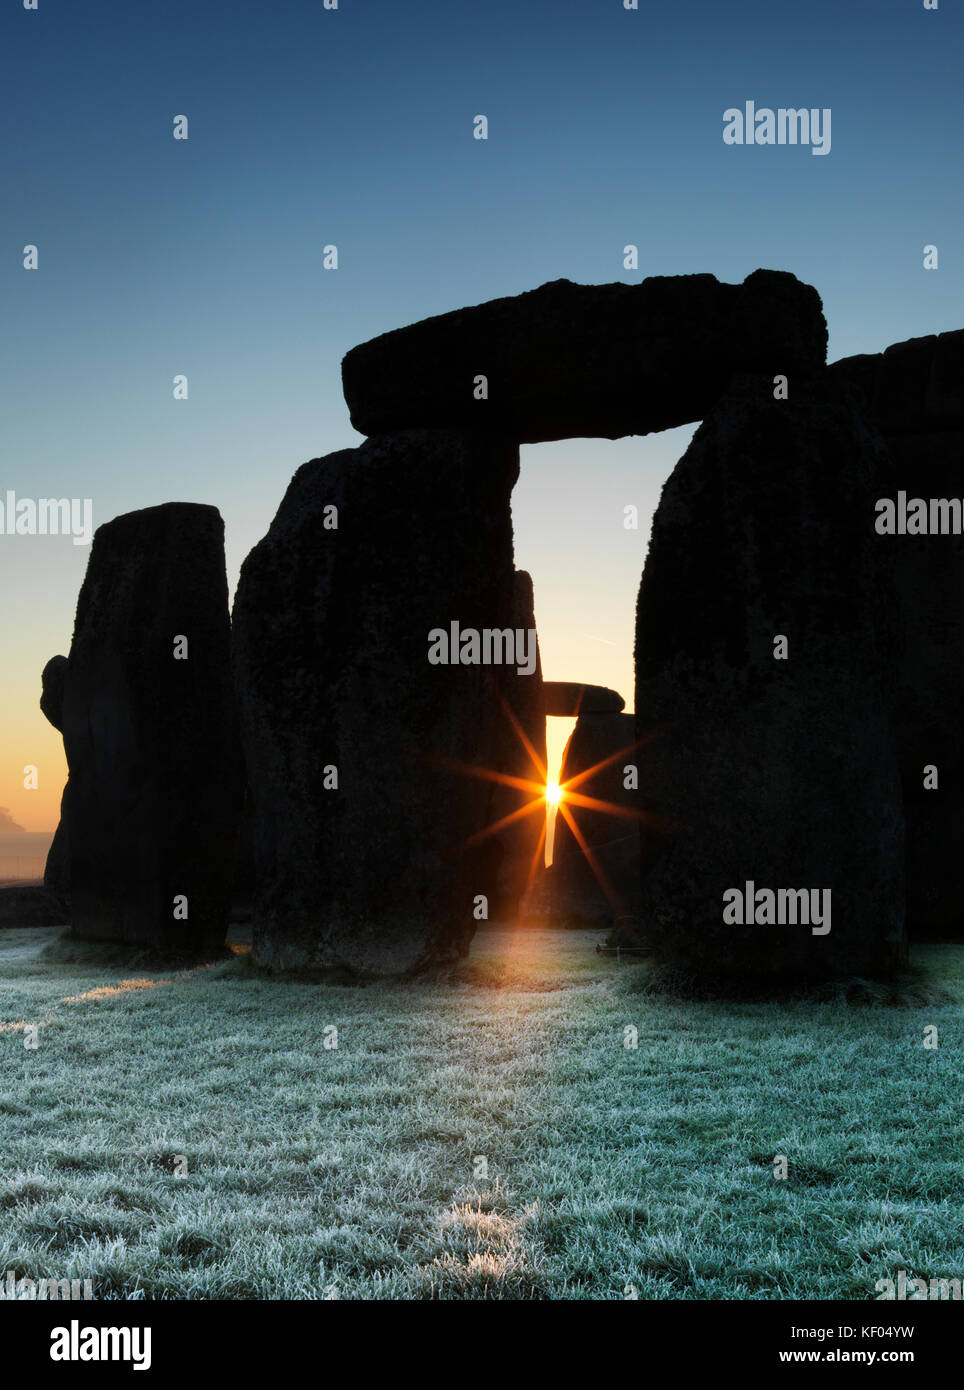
[553, 793]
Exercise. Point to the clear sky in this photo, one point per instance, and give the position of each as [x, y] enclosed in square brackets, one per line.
[354, 126]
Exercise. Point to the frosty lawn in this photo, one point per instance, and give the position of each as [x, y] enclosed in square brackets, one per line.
[359, 1171]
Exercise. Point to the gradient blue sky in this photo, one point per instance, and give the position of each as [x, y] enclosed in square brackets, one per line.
[354, 127]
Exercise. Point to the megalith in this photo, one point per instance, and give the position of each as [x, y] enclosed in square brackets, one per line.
[57, 867]
[52, 691]
[150, 735]
[372, 720]
[765, 646]
[570, 699]
[569, 360]
[519, 806]
[595, 878]
[914, 393]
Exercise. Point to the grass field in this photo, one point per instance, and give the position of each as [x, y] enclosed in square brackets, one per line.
[353, 1171]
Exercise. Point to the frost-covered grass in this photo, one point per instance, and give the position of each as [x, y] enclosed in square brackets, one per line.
[355, 1171]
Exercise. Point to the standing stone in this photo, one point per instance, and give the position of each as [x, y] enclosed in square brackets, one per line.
[778, 773]
[360, 751]
[52, 696]
[914, 393]
[603, 889]
[522, 842]
[930, 718]
[567, 360]
[151, 741]
[57, 867]
[30, 907]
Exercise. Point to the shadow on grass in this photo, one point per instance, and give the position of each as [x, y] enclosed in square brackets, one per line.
[67, 950]
[910, 987]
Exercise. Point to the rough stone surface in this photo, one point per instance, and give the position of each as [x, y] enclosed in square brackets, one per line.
[914, 392]
[331, 634]
[522, 841]
[569, 360]
[601, 891]
[783, 773]
[57, 867]
[52, 697]
[912, 387]
[570, 699]
[930, 722]
[151, 742]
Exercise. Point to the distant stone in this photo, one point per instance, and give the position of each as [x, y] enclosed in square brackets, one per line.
[151, 737]
[780, 774]
[366, 762]
[57, 867]
[569, 699]
[569, 360]
[30, 907]
[594, 763]
[52, 698]
[602, 886]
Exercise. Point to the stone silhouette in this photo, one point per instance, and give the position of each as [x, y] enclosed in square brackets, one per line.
[569, 699]
[567, 360]
[52, 696]
[915, 387]
[914, 393]
[22, 906]
[362, 755]
[797, 673]
[151, 736]
[521, 841]
[603, 887]
[777, 773]
[57, 868]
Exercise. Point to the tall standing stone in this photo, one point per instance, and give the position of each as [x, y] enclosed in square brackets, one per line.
[774, 773]
[914, 393]
[361, 753]
[523, 756]
[151, 735]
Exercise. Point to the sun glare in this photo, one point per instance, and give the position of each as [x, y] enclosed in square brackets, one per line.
[553, 793]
